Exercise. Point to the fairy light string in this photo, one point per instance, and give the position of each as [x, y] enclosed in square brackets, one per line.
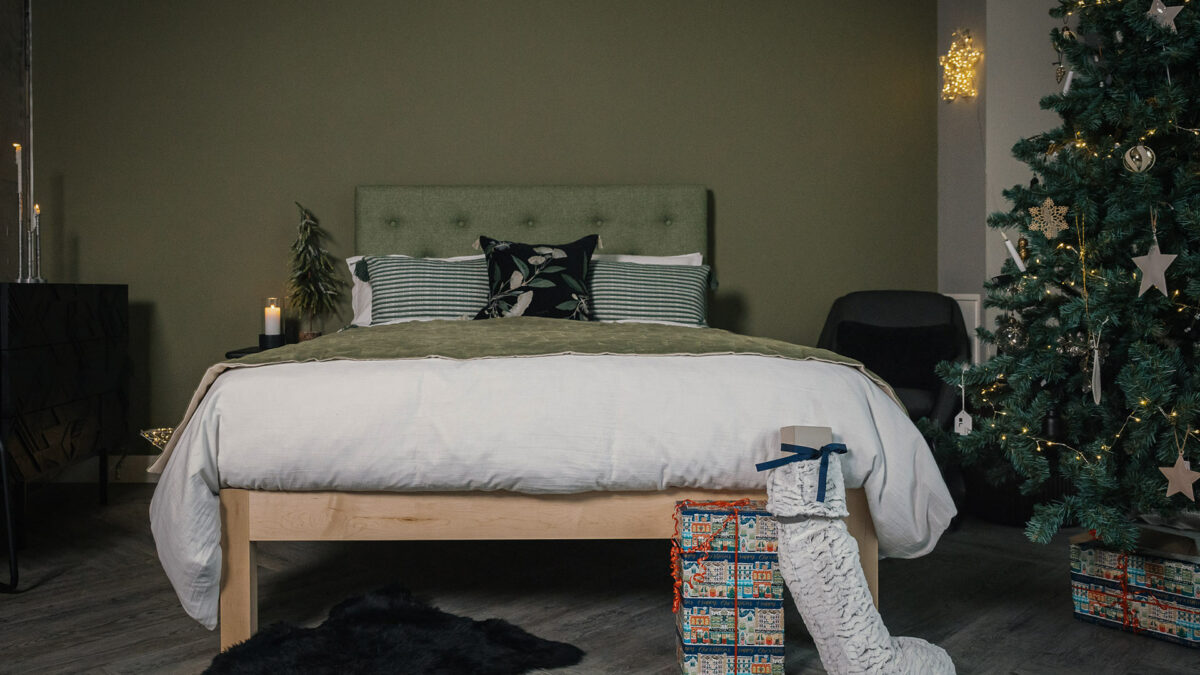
[1147, 418]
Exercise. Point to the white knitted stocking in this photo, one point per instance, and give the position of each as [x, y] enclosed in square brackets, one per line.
[820, 563]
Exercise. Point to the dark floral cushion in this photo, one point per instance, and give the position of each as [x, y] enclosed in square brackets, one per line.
[538, 279]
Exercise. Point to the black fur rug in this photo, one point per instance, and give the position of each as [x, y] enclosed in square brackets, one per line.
[389, 632]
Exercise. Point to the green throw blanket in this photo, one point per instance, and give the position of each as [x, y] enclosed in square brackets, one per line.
[515, 337]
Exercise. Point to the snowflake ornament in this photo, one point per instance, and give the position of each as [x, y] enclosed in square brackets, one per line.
[1048, 218]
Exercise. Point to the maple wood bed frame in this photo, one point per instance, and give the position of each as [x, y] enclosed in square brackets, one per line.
[250, 516]
[443, 221]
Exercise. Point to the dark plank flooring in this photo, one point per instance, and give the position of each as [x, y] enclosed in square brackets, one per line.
[96, 600]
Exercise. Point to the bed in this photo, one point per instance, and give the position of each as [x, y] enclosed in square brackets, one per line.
[416, 434]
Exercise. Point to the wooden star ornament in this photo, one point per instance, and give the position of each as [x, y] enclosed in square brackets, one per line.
[1154, 269]
[1048, 218]
[1165, 16]
[1180, 477]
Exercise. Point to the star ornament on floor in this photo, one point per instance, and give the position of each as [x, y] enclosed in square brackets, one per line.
[1165, 16]
[1154, 269]
[1048, 218]
[1180, 477]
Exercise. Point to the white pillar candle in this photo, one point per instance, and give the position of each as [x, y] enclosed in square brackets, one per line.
[271, 321]
[20, 171]
[1012, 252]
[35, 252]
[20, 213]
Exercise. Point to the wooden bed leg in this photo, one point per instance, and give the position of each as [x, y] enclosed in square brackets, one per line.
[239, 570]
[863, 530]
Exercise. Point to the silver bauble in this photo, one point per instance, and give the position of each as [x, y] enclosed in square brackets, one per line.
[1139, 158]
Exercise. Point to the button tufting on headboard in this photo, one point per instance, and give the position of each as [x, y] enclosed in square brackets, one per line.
[442, 220]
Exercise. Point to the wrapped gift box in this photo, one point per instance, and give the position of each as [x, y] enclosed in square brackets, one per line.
[747, 576]
[720, 660]
[1155, 590]
[712, 622]
[756, 530]
[730, 602]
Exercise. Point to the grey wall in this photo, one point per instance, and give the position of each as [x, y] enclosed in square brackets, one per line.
[13, 128]
[174, 137]
[1020, 73]
[975, 139]
[962, 178]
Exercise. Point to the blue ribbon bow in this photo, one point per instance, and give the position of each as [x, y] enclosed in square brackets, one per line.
[803, 452]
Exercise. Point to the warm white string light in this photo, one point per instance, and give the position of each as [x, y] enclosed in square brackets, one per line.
[958, 67]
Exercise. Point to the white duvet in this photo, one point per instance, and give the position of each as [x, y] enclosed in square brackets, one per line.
[547, 424]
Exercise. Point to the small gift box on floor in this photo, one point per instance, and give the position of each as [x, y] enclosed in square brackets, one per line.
[728, 591]
[1155, 590]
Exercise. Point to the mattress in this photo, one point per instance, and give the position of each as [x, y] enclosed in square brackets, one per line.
[552, 423]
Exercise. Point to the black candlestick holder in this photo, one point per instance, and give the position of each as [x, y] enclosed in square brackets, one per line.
[269, 341]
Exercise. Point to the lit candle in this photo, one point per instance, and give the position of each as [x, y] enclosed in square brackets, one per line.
[271, 317]
[35, 249]
[20, 171]
[20, 213]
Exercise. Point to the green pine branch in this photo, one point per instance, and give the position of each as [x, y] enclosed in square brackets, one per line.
[1135, 82]
[315, 284]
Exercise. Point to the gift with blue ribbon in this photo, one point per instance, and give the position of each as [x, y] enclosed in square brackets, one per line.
[803, 452]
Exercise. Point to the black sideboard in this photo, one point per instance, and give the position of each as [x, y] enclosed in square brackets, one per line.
[64, 381]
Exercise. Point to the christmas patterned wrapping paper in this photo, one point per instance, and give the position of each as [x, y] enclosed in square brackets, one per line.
[1151, 591]
[717, 660]
[729, 607]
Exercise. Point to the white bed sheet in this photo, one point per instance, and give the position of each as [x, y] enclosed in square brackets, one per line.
[549, 424]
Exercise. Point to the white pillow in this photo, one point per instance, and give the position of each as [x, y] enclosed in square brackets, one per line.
[360, 291]
[686, 259]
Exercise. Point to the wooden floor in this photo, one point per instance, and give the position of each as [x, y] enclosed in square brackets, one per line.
[96, 600]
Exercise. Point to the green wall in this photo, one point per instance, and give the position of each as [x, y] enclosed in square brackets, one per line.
[174, 137]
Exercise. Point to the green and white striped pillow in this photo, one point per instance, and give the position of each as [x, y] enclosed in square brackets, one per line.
[624, 291]
[416, 289]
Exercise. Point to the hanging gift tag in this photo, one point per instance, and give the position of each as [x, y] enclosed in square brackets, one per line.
[962, 423]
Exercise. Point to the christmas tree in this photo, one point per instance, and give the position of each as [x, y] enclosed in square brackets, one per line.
[1096, 378]
[313, 287]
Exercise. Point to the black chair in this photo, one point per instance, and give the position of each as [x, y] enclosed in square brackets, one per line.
[901, 336]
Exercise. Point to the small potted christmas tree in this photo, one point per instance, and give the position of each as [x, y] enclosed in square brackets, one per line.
[313, 287]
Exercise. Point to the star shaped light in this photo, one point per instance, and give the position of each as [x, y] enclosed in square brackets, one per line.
[1154, 269]
[1165, 16]
[1180, 477]
[1048, 218]
[958, 67]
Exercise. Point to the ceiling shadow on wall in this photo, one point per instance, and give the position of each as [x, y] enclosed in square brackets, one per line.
[65, 254]
[725, 310]
[141, 318]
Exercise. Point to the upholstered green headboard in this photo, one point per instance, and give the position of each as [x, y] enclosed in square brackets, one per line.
[443, 221]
